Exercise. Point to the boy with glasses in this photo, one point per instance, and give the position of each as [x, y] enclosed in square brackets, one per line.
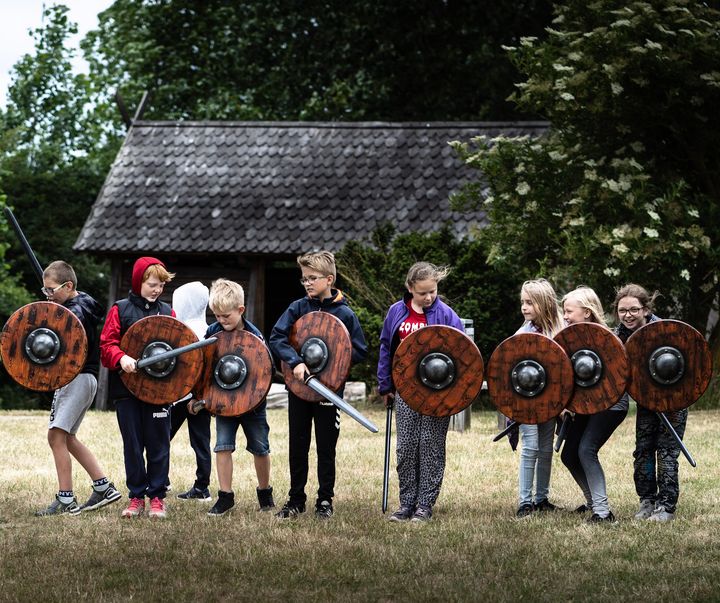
[71, 402]
[318, 276]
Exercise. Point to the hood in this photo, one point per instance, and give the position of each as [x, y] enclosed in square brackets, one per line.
[190, 304]
[139, 268]
[90, 306]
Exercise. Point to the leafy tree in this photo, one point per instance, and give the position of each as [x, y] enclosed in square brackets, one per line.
[315, 60]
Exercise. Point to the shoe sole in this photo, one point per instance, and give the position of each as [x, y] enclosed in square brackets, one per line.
[104, 502]
[220, 514]
[131, 515]
[161, 515]
[208, 499]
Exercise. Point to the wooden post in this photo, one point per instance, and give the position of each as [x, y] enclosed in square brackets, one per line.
[461, 421]
[101, 398]
[256, 293]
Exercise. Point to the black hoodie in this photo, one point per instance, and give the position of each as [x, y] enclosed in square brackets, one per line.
[90, 313]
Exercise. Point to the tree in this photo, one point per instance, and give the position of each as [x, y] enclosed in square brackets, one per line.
[316, 60]
[625, 186]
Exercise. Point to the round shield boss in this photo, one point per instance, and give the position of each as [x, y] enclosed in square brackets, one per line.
[438, 370]
[43, 346]
[530, 378]
[600, 366]
[670, 365]
[168, 380]
[323, 341]
[238, 374]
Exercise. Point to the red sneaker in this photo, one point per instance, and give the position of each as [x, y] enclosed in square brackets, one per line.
[157, 508]
[135, 508]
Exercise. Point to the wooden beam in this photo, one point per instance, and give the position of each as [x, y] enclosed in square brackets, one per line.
[255, 301]
[122, 107]
[144, 101]
[101, 398]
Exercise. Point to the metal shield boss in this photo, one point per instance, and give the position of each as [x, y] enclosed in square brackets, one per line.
[237, 375]
[437, 370]
[600, 366]
[323, 342]
[670, 365]
[168, 380]
[43, 346]
[530, 378]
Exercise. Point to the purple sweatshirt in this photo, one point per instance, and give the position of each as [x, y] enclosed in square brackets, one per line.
[439, 313]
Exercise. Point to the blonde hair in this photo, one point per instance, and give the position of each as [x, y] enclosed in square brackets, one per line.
[61, 272]
[158, 271]
[424, 271]
[321, 261]
[588, 300]
[225, 296]
[542, 295]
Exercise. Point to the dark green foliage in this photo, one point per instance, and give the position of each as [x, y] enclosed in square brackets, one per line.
[374, 272]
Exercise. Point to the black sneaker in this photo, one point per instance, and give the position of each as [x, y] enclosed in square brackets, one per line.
[324, 510]
[545, 505]
[265, 499]
[58, 508]
[524, 510]
[290, 511]
[422, 513]
[595, 518]
[100, 499]
[225, 502]
[404, 513]
[196, 494]
[582, 509]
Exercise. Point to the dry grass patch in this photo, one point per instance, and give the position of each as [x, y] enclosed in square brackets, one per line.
[474, 549]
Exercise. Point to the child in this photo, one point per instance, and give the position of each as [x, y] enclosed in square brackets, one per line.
[145, 428]
[539, 307]
[71, 401]
[318, 276]
[420, 439]
[656, 451]
[227, 302]
[190, 303]
[588, 433]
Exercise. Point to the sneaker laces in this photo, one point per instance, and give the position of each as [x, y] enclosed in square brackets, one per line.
[136, 504]
[157, 504]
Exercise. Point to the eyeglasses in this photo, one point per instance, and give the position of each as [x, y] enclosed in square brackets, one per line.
[48, 291]
[309, 280]
[631, 311]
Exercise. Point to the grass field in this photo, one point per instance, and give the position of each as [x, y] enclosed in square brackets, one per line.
[473, 549]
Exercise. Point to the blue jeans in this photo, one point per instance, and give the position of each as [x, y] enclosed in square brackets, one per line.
[535, 461]
[255, 427]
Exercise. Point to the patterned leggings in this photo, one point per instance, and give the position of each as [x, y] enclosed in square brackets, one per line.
[420, 455]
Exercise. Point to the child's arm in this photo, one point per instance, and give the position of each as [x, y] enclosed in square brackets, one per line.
[111, 355]
[384, 377]
[280, 338]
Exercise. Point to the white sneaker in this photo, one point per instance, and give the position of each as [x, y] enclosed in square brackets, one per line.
[647, 508]
[660, 514]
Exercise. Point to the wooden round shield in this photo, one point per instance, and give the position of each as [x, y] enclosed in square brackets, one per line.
[600, 366]
[44, 346]
[530, 378]
[171, 380]
[438, 370]
[670, 365]
[238, 375]
[323, 341]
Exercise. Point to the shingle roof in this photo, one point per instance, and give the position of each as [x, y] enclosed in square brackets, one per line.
[279, 188]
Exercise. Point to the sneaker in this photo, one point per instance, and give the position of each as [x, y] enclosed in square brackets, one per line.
[524, 510]
[584, 508]
[157, 508]
[135, 508]
[196, 494]
[58, 508]
[404, 513]
[422, 513]
[545, 505]
[660, 514]
[100, 499]
[595, 518]
[324, 510]
[646, 509]
[290, 511]
[265, 499]
[225, 502]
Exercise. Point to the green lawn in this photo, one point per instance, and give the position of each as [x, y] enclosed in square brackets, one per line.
[474, 548]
